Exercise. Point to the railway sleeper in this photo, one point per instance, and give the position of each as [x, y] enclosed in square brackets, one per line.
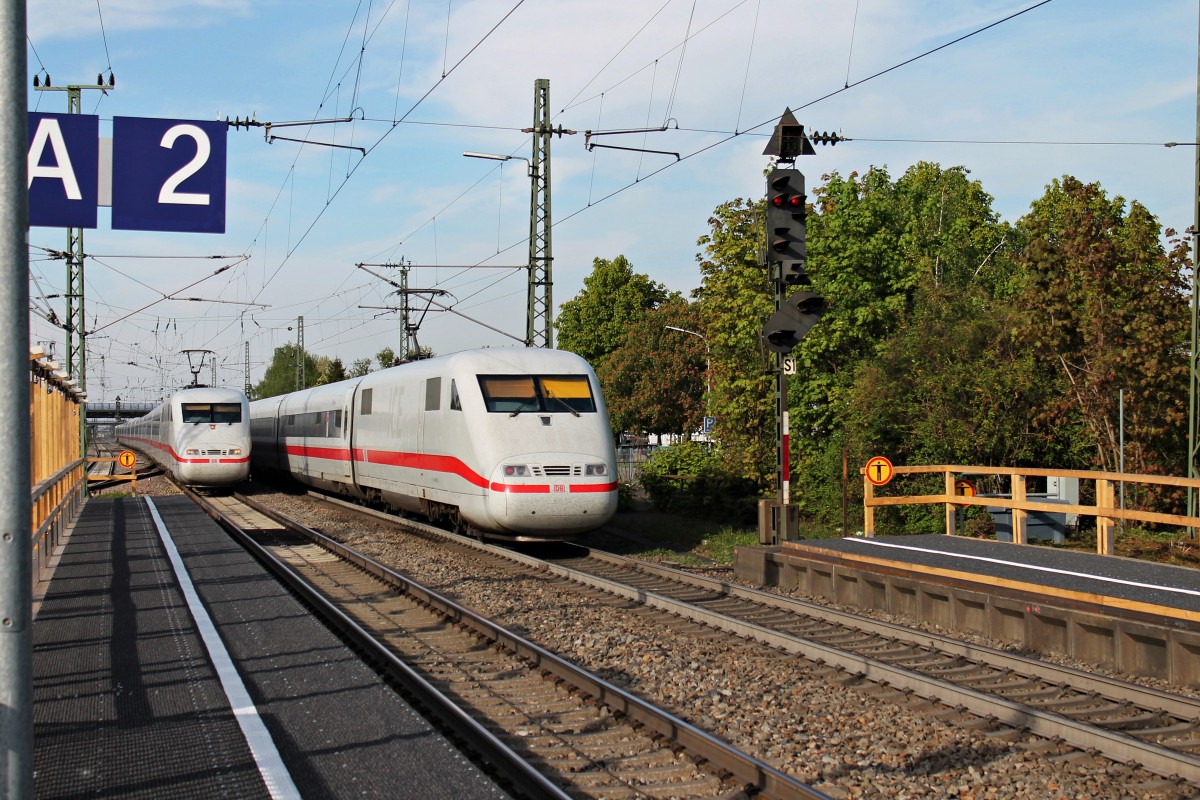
[1089, 703]
[1173, 731]
[1138, 724]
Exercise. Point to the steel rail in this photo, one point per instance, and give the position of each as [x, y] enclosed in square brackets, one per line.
[494, 752]
[756, 775]
[1171, 764]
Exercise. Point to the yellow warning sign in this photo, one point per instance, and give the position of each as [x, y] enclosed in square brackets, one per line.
[879, 470]
[964, 488]
[127, 459]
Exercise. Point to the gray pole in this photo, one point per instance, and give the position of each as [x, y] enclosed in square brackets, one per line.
[16, 571]
[1194, 355]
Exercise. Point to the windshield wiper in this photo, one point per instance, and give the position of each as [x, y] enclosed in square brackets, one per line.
[561, 402]
[524, 402]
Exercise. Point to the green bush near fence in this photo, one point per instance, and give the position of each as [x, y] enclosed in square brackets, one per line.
[688, 478]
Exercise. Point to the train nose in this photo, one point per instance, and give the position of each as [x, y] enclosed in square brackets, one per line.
[554, 492]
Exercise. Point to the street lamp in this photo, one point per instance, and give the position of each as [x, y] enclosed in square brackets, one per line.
[707, 370]
[497, 157]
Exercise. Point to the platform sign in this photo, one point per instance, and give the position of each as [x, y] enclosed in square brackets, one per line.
[168, 175]
[63, 163]
[964, 488]
[879, 470]
[127, 459]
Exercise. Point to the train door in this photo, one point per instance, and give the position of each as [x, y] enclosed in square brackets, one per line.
[348, 433]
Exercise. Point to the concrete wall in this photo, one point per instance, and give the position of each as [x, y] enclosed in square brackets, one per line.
[1143, 642]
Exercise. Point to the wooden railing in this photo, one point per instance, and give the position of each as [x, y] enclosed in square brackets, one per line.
[58, 487]
[1106, 509]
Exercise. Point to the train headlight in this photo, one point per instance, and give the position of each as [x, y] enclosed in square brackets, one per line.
[235, 451]
[192, 451]
[515, 471]
[595, 469]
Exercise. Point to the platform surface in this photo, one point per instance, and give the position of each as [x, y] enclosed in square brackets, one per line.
[1067, 570]
[129, 700]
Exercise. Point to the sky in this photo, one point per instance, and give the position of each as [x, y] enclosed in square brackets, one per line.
[1089, 88]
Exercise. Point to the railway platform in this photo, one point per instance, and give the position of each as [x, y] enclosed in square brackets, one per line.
[1132, 616]
[167, 663]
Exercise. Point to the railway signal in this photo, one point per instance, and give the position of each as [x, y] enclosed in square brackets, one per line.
[786, 224]
[795, 317]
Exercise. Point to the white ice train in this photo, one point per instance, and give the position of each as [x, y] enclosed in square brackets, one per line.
[200, 436]
[505, 443]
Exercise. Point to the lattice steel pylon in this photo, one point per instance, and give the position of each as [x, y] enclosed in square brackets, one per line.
[300, 354]
[539, 331]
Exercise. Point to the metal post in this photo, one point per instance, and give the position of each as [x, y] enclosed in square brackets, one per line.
[246, 386]
[300, 353]
[539, 329]
[1194, 355]
[16, 570]
[405, 315]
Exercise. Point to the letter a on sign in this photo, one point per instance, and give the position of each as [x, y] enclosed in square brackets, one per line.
[64, 159]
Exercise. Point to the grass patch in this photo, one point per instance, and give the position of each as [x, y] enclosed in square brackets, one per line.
[112, 495]
[672, 537]
[719, 547]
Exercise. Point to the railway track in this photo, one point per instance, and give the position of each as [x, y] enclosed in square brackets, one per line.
[548, 727]
[1120, 720]
[1001, 693]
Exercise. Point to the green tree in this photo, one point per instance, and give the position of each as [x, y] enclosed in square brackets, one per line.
[1107, 310]
[359, 368]
[330, 370]
[909, 271]
[280, 377]
[593, 322]
[735, 299]
[386, 358]
[655, 380]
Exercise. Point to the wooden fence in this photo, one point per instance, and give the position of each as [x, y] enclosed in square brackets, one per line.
[57, 468]
[1106, 509]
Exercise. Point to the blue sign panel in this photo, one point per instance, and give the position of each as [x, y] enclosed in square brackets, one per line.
[168, 175]
[64, 157]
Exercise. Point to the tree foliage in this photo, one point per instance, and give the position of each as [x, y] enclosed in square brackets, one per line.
[592, 324]
[280, 377]
[735, 301]
[654, 381]
[1106, 311]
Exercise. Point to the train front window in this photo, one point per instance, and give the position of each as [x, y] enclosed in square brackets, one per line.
[541, 393]
[197, 413]
[227, 412]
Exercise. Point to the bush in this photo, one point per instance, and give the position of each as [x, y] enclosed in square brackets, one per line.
[688, 478]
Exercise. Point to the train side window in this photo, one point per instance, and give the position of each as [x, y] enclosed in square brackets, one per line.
[365, 407]
[433, 394]
[455, 403]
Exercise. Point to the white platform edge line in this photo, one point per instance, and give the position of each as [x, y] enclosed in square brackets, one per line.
[1053, 570]
[262, 747]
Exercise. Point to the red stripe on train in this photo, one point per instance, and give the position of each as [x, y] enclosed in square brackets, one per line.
[445, 464]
